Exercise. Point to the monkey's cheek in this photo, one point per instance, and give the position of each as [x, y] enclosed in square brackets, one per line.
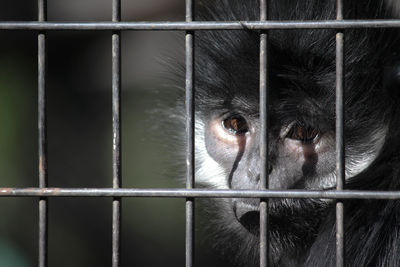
[293, 147]
[298, 148]
[298, 152]
[221, 152]
[222, 145]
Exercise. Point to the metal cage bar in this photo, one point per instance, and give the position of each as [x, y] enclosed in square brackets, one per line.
[190, 144]
[200, 25]
[116, 119]
[190, 193]
[42, 128]
[195, 193]
[340, 164]
[264, 181]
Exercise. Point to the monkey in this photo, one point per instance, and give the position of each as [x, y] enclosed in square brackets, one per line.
[301, 136]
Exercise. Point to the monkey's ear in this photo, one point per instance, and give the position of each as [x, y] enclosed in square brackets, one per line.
[392, 79]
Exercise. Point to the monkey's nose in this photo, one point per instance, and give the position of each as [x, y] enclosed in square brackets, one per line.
[248, 216]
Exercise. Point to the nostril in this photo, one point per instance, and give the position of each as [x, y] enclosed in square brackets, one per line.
[251, 221]
[248, 216]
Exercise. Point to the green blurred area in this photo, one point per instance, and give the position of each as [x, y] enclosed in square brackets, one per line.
[80, 145]
[80, 155]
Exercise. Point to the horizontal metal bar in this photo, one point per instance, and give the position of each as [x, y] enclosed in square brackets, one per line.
[199, 25]
[195, 193]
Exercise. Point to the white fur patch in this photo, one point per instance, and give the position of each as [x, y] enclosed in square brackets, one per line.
[355, 164]
[208, 171]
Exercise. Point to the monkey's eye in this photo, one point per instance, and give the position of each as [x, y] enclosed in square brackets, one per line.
[303, 133]
[236, 124]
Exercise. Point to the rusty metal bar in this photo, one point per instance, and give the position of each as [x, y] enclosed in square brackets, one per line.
[42, 128]
[116, 119]
[340, 157]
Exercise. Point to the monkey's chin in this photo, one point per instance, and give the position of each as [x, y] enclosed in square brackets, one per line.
[293, 225]
[282, 213]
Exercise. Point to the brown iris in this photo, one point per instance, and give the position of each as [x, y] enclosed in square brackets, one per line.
[303, 133]
[236, 124]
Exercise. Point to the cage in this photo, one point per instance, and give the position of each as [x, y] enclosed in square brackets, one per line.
[116, 194]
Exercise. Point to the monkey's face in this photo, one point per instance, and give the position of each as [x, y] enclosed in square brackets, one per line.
[301, 149]
[301, 152]
[301, 112]
[301, 140]
[301, 156]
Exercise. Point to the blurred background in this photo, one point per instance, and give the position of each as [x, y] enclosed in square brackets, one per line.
[80, 138]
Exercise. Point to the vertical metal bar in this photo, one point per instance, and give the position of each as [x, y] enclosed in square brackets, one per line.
[189, 104]
[116, 118]
[340, 167]
[264, 233]
[42, 128]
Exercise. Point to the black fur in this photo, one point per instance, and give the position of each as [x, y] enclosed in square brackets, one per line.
[302, 87]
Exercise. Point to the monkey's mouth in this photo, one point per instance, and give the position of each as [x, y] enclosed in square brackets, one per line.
[248, 216]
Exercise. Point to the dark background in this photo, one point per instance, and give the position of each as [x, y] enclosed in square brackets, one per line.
[80, 138]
